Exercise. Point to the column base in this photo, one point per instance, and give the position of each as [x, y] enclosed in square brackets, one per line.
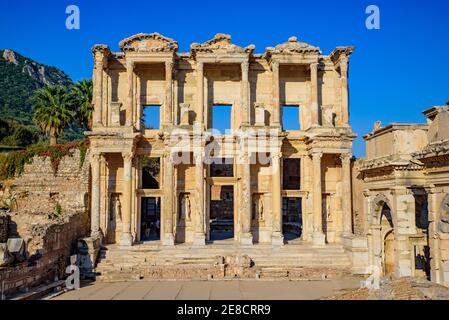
[168, 240]
[97, 235]
[246, 239]
[127, 240]
[277, 239]
[199, 240]
[318, 239]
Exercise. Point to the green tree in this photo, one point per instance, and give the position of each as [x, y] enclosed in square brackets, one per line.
[52, 110]
[81, 98]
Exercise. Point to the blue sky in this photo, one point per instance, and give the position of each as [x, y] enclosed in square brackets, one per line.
[395, 73]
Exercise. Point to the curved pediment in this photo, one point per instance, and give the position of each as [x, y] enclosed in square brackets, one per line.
[148, 42]
[221, 43]
[293, 46]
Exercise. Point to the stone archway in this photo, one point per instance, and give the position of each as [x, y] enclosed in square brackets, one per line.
[383, 236]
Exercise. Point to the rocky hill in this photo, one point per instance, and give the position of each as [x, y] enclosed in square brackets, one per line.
[19, 78]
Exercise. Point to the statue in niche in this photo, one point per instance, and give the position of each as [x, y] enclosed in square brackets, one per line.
[116, 208]
[258, 208]
[185, 208]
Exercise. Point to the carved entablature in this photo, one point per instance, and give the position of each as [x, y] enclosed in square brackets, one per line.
[386, 167]
[220, 45]
[433, 150]
[148, 42]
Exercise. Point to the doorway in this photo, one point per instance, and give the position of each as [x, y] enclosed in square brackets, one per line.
[150, 219]
[389, 253]
[292, 218]
[221, 219]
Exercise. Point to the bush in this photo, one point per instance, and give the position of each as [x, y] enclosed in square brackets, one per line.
[13, 163]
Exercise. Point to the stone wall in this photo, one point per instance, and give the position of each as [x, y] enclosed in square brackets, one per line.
[4, 223]
[50, 211]
[38, 190]
[54, 242]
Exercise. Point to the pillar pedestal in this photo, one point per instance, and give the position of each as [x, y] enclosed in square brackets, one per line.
[168, 240]
[318, 238]
[199, 240]
[246, 239]
[277, 239]
[126, 240]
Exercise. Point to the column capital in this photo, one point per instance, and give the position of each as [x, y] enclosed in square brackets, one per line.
[245, 66]
[317, 155]
[345, 157]
[127, 156]
[314, 66]
[96, 156]
[130, 64]
[277, 155]
[200, 66]
[274, 66]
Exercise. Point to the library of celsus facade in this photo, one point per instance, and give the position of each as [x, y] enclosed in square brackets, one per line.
[220, 143]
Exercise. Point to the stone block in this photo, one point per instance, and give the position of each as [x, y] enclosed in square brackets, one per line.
[5, 257]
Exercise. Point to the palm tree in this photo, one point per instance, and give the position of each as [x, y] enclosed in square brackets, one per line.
[81, 98]
[52, 111]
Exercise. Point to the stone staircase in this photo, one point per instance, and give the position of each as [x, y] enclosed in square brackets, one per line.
[222, 261]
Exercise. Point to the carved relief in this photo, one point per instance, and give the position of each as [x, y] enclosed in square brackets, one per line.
[221, 43]
[144, 42]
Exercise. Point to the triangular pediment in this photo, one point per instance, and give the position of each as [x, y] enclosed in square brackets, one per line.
[220, 44]
[293, 46]
[148, 42]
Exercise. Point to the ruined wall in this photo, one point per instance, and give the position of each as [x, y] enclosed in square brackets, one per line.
[53, 242]
[50, 234]
[38, 189]
[4, 223]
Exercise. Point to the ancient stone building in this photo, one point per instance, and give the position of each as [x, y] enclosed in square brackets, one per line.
[281, 172]
[401, 197]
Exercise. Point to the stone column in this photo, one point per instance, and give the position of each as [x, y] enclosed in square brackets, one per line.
[314, 94]
[98, 89]
[127, 239]
[245, 93]
[318, 237]
[199, 219]
[129, 98]
[277, 238]
[200, 91]
[344, 91]
[168, 115]
[95, 201]
[246, 238]
[346, 194]
[168, 238]
[276, 94]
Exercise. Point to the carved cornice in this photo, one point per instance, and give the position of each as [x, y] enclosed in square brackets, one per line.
[220, 44]
[435, 151]
[148, 42]
[100, 48]
[390, 164]
[340, 53]
[293, 46]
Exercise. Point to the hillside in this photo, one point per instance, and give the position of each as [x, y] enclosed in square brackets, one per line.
[19, 78]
